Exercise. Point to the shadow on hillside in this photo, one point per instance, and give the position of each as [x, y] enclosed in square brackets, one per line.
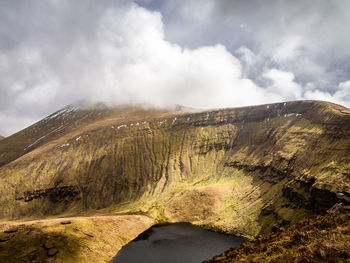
[31, 244]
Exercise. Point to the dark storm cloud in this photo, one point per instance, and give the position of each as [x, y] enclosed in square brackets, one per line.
[198, 53]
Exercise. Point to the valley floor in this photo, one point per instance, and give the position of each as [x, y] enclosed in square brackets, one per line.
[325, 238]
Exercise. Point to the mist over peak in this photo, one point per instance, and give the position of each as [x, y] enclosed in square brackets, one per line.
[57, 53]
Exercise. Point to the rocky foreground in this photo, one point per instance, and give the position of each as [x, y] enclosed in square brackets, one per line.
[244, 171]
[323, 238]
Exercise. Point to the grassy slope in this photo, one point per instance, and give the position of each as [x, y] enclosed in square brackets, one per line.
[60, 123]
[241, 170]
[320, 239]
[78, 239]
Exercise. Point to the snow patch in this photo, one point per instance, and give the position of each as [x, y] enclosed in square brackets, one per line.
[174, 120]
[65, 111]
[38, 140]
[292, 114]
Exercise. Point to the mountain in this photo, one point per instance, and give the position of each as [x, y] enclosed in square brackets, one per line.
[243, 171]
[1, 137]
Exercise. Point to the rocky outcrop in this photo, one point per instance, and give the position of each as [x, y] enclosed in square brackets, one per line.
[242, 170]
[303, 194]
[54, 194]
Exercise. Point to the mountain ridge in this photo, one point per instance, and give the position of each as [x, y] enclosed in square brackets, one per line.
[241, 170]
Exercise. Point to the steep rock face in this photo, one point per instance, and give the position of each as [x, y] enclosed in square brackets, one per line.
[241, 170]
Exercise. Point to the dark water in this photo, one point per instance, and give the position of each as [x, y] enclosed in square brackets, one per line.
[176, 243]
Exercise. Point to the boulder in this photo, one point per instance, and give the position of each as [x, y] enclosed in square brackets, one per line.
[52, 252]
[49, 244]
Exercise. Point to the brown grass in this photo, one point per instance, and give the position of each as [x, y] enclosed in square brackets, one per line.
[77, 239]
[320, 239]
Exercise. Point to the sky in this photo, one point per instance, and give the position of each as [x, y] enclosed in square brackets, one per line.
[201, 54]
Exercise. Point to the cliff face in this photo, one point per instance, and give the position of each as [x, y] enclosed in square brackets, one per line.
[240, 170]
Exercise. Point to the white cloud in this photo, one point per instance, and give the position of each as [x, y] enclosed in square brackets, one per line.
[128, 61]
[340, 96]
[343, 93]
[288, 48]
[309, 38]
[247, 55]
[283, 86]
[319, 95]
[138, 66]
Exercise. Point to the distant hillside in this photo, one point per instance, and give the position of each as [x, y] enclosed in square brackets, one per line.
[1, 137]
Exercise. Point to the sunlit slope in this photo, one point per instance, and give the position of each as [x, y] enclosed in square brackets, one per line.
[240, 170]
[54, 126]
